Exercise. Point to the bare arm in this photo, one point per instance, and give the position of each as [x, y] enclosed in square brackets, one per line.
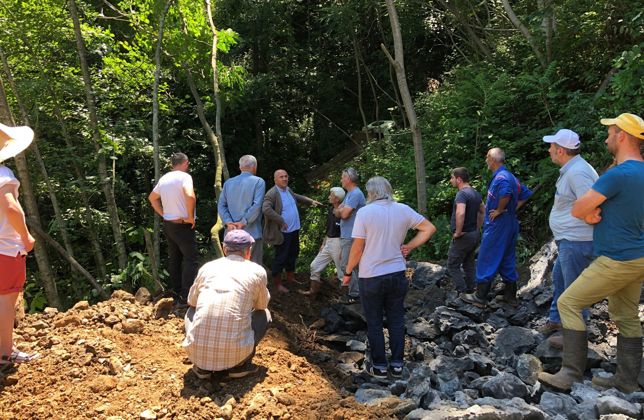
[587, 207]
[16, 216]
[357, 248]
[459, 220]
[480, 216]
[191, 202]
[343, 212]
[155, 202]
[425, 231]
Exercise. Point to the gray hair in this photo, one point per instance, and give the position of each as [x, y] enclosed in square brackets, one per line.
[352, 174]
[497, 154]
[247, 162]
[378, 188]
[338, 192]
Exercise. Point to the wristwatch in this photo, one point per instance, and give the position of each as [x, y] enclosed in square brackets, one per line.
[347, 274]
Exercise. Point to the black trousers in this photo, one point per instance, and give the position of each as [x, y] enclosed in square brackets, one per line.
[286, 253]
[182, 257]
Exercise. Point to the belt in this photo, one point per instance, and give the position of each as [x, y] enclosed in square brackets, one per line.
[175, 221]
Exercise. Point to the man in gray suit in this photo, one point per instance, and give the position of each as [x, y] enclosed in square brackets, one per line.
[282, 227]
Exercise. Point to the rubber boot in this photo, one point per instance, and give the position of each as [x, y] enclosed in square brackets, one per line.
[510, 293]
[277, 281]
[629, 363]
[479, 297]
[573, 365]
[313, 290]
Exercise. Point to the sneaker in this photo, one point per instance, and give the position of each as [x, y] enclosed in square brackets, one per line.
[374, 371]
[396, 371]
[201, 373]
[549, 327]
[242, 370]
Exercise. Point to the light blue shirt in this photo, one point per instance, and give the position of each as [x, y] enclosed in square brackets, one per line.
[354, 199]
[241, 201]
[289, 211]
[575, 179]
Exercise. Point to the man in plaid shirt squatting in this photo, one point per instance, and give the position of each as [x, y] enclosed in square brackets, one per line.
[227, 315]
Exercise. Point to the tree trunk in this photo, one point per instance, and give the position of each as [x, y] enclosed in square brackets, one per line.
[108, 190]
[547, 25]
[214, 141]
[359, 82]
[526, 33]
[62, 226]
[215, 87]
[399, 65]
[156, 247]
[72, 261]
[40, 250]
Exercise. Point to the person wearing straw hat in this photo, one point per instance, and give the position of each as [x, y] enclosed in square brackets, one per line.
[15, 243]
[615, 206]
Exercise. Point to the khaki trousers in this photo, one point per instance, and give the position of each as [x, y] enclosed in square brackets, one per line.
[620, 281]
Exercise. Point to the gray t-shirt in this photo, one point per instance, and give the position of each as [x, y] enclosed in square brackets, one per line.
[575, 179]
[383, 225]
[472, 200]
[354, 199]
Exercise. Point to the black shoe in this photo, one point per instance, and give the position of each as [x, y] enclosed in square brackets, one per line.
[374, 371]
[201, 373]
[396, 371]
[243, 370]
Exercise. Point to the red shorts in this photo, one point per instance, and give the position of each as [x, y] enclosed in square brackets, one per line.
[13, 272]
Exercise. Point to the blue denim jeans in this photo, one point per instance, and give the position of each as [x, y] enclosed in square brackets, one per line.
[385, 295]
[573, 258]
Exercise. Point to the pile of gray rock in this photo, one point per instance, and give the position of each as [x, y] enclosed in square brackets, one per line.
[464, 362]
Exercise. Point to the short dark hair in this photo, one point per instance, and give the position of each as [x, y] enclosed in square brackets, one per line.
[570, 152]
[461, 173]
[178, 158]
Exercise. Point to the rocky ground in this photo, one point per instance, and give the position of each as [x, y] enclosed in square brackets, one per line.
[122, 359]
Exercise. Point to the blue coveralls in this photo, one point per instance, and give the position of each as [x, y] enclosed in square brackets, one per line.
[497, 253]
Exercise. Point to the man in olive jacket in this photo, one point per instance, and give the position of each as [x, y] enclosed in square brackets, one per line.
[282, 227]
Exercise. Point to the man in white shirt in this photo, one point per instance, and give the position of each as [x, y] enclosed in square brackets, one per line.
[173, 198]
[15, 243]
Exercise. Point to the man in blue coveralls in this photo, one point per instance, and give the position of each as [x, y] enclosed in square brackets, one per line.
[497, 253]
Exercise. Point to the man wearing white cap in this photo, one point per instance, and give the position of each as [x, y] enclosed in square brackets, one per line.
[615, 206]
[228, 313]
[574, 237]
[15, 242]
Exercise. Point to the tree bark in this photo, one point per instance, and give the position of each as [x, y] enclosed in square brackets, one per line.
[108, 190]
[399, 65]
[156, 247]
[72, 261]
[40, 250]
[526, 33]
[359, 82]
[213, 140]
[62, 226]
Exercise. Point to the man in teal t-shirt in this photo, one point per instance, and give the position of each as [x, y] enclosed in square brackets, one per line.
[615, 205]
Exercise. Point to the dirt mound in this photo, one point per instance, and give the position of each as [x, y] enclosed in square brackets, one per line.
[123, 359]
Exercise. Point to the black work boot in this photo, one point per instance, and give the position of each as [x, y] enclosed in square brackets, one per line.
[573, 365]
[479, 297]
[510, 293]
[629, 362]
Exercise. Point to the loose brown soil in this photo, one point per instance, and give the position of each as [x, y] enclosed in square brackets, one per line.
[91, 368]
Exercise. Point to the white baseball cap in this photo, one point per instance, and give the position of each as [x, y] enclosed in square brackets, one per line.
[564, 138]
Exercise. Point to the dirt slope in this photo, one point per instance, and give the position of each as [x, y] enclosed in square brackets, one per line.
[115, 360]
